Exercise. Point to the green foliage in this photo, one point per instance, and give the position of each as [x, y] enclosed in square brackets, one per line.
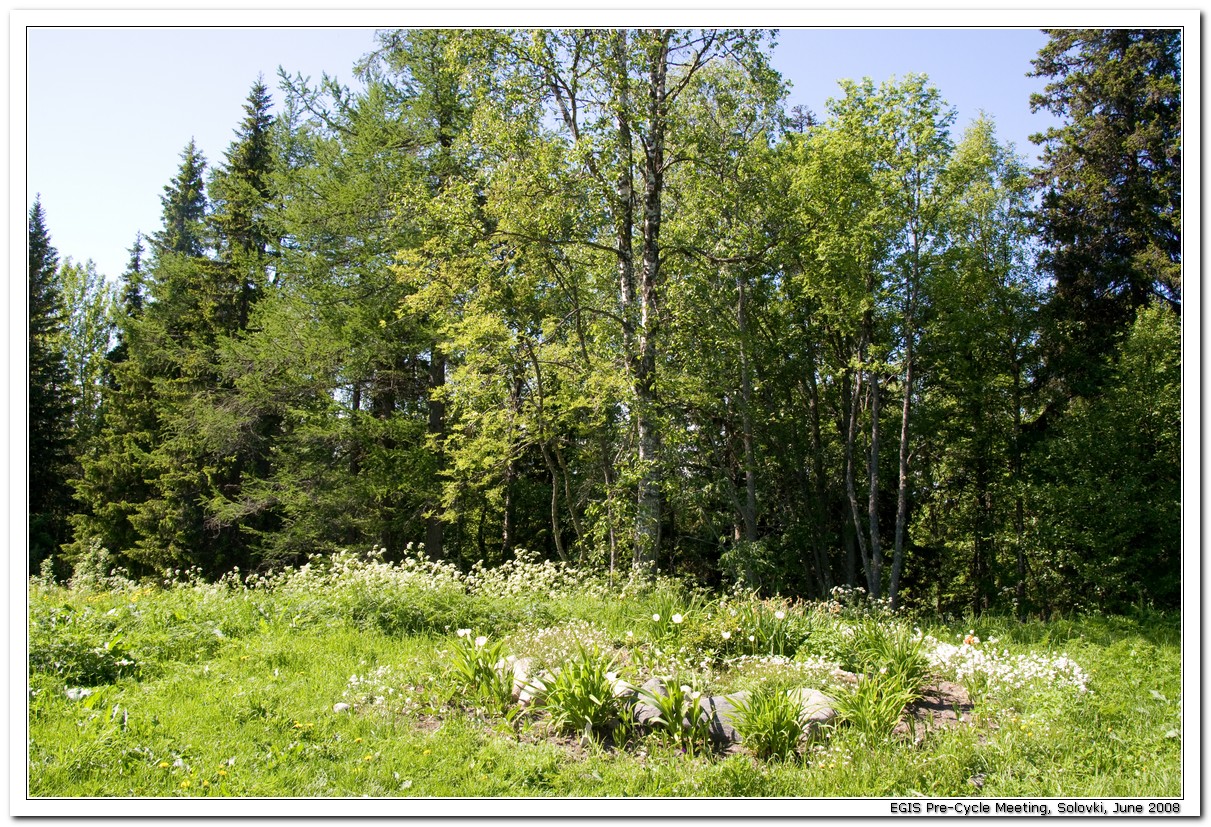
[680, 717]
[475, 661]
[890, 649]
[874, 705]
[770, 722]
[50, 402]
[580, 696]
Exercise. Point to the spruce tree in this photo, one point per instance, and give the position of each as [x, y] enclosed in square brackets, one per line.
[49, 397]
[1110, 181]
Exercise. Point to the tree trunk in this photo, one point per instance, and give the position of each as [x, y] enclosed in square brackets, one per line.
[647, 517]
[437, 429]
[897, 562]
[874, 575]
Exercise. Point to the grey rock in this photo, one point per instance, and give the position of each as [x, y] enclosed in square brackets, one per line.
[645, 712]
[816, 709]
[342, 707]
[721, 711]
[77, 693]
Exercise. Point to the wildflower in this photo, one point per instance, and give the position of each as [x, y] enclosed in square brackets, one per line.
[655, 618]
[185, 784]
[726, 635]
[780, 615]
[677, 619]
[480, 641]
[464, 632]
[164, 765]
[222, 773]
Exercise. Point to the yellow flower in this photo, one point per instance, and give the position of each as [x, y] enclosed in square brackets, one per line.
[368, 758]
[164, 765]
[427, 752]
[185, 785]
[222, 773]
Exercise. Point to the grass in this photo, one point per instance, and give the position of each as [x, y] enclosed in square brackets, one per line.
[230, 689]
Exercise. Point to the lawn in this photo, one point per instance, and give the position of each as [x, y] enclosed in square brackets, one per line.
[355, 677]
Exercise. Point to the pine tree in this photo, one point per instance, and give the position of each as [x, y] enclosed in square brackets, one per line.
[49, 397]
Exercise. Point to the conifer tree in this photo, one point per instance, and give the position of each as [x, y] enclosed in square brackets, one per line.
[50, 409]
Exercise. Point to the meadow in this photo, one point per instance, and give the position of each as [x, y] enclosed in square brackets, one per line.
[352, 676]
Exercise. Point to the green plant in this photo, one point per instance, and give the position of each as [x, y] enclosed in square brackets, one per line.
[474, 661]
[580, 694]
[679, 716]
[893, 650]
[874, 705]
[770, 722]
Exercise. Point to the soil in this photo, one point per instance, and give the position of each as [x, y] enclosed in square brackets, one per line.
[941, 705]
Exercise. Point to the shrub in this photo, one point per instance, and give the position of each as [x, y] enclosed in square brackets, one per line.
[874, 705]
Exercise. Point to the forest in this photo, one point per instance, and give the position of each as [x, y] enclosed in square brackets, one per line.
[598, 297]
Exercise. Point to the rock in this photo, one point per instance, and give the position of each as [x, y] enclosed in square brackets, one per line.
[816, 708]
[534, 689]
[77, 693]
[521, 671]
[624, 691]
[721, 711]
[341, 707]
[645, 712]
[842, 676]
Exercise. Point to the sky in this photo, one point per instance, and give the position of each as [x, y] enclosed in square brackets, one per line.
[110, 109]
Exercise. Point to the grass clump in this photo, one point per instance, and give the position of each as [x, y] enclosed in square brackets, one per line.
[770, 722]
[580, 694]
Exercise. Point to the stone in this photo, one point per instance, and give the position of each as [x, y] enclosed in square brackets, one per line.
[721, 712]
[77, 693]
[535, 689]
[341, 707]
[521, 668]
[645, 712]
[816, 708]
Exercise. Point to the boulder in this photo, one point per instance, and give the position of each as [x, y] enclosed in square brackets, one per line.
[720, 710]
[534, 689]
[521, 668]
[816, 708]
[341, 707]
[645, 712]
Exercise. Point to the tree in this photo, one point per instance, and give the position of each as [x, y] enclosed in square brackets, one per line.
[89, 301]
[1110, 187]
[50, 408]
[184, 208]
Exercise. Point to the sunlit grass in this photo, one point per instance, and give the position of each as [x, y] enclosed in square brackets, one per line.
[341, 683]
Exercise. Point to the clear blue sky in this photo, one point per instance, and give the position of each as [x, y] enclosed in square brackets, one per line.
[110, 109]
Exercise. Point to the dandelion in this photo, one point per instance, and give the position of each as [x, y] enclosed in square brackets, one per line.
[222, 773]
[164, 765]
[780, 615]
[185, 784]
[677, 619]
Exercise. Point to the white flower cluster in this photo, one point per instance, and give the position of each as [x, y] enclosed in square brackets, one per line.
[525, 575]
[553, 645]
[970, 663]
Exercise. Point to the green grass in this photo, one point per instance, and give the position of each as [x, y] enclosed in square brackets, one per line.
[230, 691]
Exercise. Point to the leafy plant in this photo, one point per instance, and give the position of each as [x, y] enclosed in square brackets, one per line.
[679, 716]
[874, 705]
[770, 722]
[893, 650]
[580, 695]
[474, 661]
